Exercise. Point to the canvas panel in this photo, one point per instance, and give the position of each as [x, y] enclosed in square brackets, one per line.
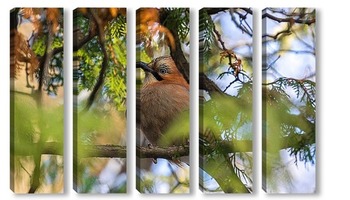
[163, 97]
[36, 100]
[99, 110]
[226, 100]
[289, 100]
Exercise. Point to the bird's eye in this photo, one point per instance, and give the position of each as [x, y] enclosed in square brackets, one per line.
[163, 70]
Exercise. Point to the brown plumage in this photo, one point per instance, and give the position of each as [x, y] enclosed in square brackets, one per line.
[164, 95]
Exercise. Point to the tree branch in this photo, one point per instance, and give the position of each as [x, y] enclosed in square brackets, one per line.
[233, 146]
[289, 19]
[104, 65]
[29, 149]
[177, 53]
[103, 151]
[242, 18]
[248, 10]
[117, 151]
[213, 11]
[77, 44]
[283, 32]
[56, 51]
[166, 153]
[206, 84]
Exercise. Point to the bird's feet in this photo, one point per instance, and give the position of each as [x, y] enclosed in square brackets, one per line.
[154, 160]
[150, 146]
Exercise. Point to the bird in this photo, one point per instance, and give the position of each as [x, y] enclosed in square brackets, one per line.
[163, 98]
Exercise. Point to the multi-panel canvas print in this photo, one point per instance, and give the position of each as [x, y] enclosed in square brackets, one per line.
[226, 100]
[164, 130]
[36, 100]
[289, 100]
[99, 81]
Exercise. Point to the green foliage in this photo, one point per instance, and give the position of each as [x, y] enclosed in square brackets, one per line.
[90, 63]
[96, 127]
[115, 83]
[24, 116]
[33, 126]
[91, 57]
[176, 134]
[295, 121]
[52, 129]
[305, 90]
[142, 55]
[178, 19]
[39, 46]
[58, 40]
[206, 27]
[220, 168]
[91, 124]
[228, 118]
[81, 23]
[289, 128]
[117, 27]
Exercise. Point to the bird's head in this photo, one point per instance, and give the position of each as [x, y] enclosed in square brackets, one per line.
[162, 70]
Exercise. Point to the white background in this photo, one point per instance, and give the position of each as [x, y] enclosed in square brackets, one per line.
[332, 102]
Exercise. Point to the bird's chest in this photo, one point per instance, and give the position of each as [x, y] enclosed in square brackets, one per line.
[161, 104]
[159, 100]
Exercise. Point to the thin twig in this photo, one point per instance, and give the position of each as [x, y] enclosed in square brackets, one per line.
[25, 169]
[278, 19]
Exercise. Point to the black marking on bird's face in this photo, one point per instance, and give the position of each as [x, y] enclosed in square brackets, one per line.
[160, 67]
[146, 68]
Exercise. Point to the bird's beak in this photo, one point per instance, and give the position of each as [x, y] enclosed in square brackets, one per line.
[145, 68]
